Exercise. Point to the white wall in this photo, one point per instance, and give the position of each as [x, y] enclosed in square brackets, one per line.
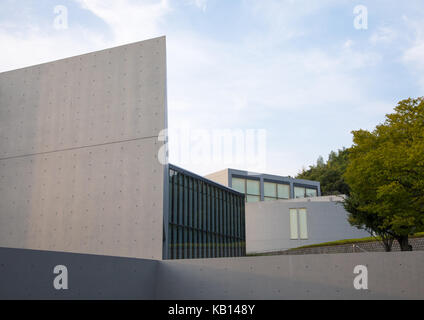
[268, 224]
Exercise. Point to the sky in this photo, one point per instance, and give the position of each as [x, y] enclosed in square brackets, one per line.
[304, 72]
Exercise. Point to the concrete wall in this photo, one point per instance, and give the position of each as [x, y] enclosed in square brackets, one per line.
[390, 276]
[268, 224]
[27, 274]
[78, 153]
[220, 177]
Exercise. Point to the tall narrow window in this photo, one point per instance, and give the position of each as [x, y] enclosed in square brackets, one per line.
[270, 191]
[303, 224]
[298, 224]
[294, 234]
[253, 191]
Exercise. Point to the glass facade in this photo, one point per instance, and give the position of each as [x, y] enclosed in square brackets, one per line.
[249, 187]
[276, 191]
[272, 189]
[205, 219]
[301, 192]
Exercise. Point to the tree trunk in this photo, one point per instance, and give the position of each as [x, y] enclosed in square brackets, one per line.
[404, 243]
[387, 244]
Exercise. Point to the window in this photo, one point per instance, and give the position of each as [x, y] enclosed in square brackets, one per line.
[239, 185]
[205, 220]
[283, 191]
[298, 224]
[294, 233]
[270, 190]
[274, 191]
[303, 224]
[299, 192]
[311, 193]
[253, 188]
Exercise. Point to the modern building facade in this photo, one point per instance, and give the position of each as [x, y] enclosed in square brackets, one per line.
[264, 187]
[80, 167]
[285, 224]
[205, 220]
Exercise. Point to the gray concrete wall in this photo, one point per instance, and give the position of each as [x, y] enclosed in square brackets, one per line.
[78, 153]
[268, 224]
[27, 274]
[390, 276]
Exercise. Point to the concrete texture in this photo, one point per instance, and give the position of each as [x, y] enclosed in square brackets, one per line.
[390, 276]
[78, 153]
[27, 274]
[268, 224]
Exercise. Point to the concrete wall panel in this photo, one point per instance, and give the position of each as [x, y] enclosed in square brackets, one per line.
[101, 97]
[390, 276]
[28, 274]
[78, 153]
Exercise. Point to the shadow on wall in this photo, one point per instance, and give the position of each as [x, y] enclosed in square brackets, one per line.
[27, 274]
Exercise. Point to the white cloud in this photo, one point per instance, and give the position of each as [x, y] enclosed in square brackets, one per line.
[201, 4]
[384, 35]
[413, 56]
[247, 83]
[35, 46]
[130, 20]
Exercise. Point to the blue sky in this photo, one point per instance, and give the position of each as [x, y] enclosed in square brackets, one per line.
[297, 68]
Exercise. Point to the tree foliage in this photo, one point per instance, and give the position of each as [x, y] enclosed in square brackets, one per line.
[385, 173]
[330, 173]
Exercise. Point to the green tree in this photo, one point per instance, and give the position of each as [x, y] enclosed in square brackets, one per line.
[364, 220]
[385, 174]
[330, 173]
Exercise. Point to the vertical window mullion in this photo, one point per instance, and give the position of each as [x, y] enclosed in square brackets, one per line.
[236, 237]
[208, 213]
[243, 227]
[170, 226]
[226, 224]
[175, 217]
[213, 216]
[231, 225]
[181, 218]
[201, 255]
[195, 213]
[190, 218]
[186, 213]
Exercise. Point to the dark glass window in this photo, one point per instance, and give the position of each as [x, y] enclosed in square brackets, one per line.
[205, 219]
